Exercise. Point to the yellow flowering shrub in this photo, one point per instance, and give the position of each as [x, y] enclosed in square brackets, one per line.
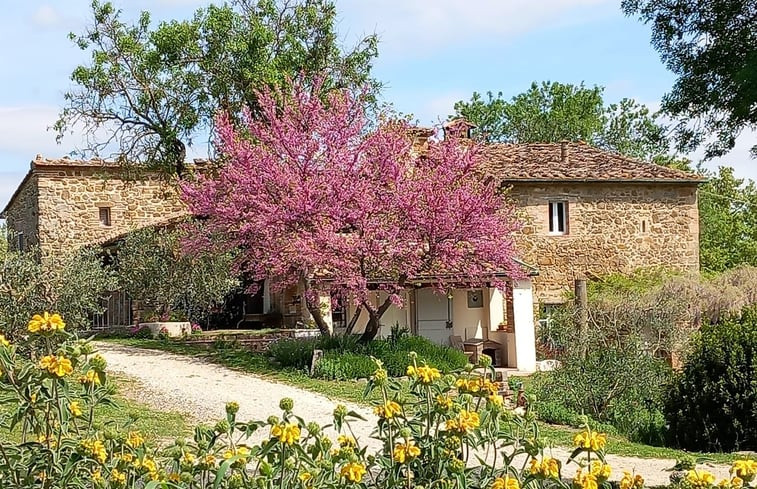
[432, 437]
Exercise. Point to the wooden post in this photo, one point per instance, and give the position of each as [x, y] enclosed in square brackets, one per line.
[582, 313]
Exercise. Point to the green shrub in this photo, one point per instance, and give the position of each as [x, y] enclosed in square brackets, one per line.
[344, 366]
[712, 403]
[617, 385]
[393, 353]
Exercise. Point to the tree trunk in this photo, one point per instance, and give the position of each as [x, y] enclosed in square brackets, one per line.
[179, 150]
[374, 320]
[354, 319]
[315, 311]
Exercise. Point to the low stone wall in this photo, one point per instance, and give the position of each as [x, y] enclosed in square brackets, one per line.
[251, 342]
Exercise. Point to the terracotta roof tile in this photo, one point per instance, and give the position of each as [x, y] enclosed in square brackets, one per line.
[576, 162]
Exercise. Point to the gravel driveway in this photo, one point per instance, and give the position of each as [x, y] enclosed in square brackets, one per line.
[201, 389]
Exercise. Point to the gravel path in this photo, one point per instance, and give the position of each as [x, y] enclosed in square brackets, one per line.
[201, 389]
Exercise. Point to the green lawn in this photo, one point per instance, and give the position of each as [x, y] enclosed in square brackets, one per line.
[353, 391]
[156, 425]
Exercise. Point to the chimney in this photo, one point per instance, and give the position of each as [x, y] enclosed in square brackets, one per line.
[564, 152]
[420, 137]
[458, 128]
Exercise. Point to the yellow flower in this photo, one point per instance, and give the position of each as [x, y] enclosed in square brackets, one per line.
[188, 458]
[590, 440]
[209, 460]
[744, 469]
[134, 439]
[411, 371]
[506, 482]
[59, 366]
[403, 452]
[427, 375]
[346, 441]
[465, 421]
[97, 475]
[584, 480]
[174, 477]
[353, 471]
[242, 451]
[128, 457]
[548, 468]
[96, 449]
[306, 477]
[4, 342]
[443, 402]
[46, 323]
[90, 377]
[288, 433]
[75, 409]
[118, 477]
[700, 478]
[388, 410]
[600, 471]
[496, 400]
[630, 481]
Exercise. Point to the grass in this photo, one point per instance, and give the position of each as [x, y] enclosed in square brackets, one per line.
[155, 425]
[258, 364]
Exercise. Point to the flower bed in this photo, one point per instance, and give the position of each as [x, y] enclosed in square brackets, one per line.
[451, 431]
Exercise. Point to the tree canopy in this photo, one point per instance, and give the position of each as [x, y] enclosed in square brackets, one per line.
[315, 197]
[553, 111]
[727, 221]
[711, 46]
[147, 91]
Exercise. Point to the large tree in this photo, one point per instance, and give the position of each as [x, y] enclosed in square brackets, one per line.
[311, 195]
[553, 111]
[148, 91]
[711, 46]
[727, 221]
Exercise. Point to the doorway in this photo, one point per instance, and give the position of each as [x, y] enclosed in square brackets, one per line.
[433, 312]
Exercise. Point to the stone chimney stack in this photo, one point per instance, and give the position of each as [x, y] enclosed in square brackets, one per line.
[420, 138]
[564, 152]
[458, 128]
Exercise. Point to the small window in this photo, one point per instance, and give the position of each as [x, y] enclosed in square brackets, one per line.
[558, 218]
[20, 241]
[104, 216]
[643, 226]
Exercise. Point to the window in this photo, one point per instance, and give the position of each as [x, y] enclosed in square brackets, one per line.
[104, 216]
[558, 218]
[20, 242]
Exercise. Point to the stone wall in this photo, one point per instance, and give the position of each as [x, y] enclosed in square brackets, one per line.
[23, 215]
[612, 227]
[70, 199]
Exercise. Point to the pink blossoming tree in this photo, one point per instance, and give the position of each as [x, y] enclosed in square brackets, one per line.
[313, 196]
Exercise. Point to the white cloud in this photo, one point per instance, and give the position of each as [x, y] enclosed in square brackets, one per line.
[415, 27]
[24, 130]
[739, 157]
[46, 16]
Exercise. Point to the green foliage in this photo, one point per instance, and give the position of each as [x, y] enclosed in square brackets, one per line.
[553, 112]
[155, 269]
[74, 284]
[346, 357]
[727, 221]
[711, 404]
[710, 46]
[618, 385]
[153, 89]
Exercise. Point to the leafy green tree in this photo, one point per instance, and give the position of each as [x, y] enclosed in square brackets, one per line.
[148, 91]
[73, 286]
[553, 111]
[155, 269]
[710, 45]
[727, 221]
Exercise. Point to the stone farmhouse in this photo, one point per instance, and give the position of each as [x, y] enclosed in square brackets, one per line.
[586, 213]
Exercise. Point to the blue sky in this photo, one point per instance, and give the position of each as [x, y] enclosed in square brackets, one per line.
[432, 53]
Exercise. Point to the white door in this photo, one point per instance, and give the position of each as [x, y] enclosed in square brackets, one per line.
[432, 315]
